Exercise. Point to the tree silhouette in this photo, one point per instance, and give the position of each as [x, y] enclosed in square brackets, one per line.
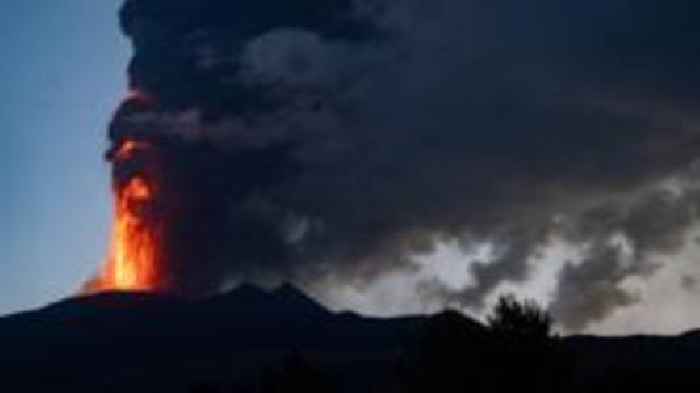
[527, 353]
[520, 319]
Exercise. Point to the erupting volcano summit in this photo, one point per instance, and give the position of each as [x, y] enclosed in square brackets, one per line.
[132, 264]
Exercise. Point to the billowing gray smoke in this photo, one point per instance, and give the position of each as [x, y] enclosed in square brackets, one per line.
[311, 139]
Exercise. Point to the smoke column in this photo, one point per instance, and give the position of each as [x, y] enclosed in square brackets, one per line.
[332, 141]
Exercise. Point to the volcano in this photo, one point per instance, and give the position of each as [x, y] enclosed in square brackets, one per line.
[240, 340]
[144, 341]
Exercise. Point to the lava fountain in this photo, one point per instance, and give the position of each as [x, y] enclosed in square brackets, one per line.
[132, 263]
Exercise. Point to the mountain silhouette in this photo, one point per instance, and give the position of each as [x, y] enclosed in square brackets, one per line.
[142, 341]
[236, 341]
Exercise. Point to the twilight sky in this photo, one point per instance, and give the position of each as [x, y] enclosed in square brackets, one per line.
[392, 159]
[63, 74]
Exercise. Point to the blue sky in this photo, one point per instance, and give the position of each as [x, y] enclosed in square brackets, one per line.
[63, 73]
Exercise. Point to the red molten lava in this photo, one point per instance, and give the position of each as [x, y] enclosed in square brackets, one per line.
[132, 263]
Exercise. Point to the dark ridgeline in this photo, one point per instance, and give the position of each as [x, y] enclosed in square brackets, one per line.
[251, 340]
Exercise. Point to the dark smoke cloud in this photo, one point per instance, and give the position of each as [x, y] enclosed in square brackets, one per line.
[330, 139]
[689, 283]
[593, 290]
[623, 242]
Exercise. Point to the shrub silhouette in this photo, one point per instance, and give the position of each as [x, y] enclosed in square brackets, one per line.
[526, 352]
[520, 320]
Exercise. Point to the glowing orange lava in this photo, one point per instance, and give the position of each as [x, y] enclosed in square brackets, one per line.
[132, 263]
[127, 150]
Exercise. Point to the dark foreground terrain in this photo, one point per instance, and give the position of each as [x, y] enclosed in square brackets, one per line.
[251, 340]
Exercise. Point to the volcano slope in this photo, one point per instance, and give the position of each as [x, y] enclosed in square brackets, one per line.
[254, 340]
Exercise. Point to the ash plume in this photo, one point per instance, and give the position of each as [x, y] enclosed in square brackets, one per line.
[337, 139]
